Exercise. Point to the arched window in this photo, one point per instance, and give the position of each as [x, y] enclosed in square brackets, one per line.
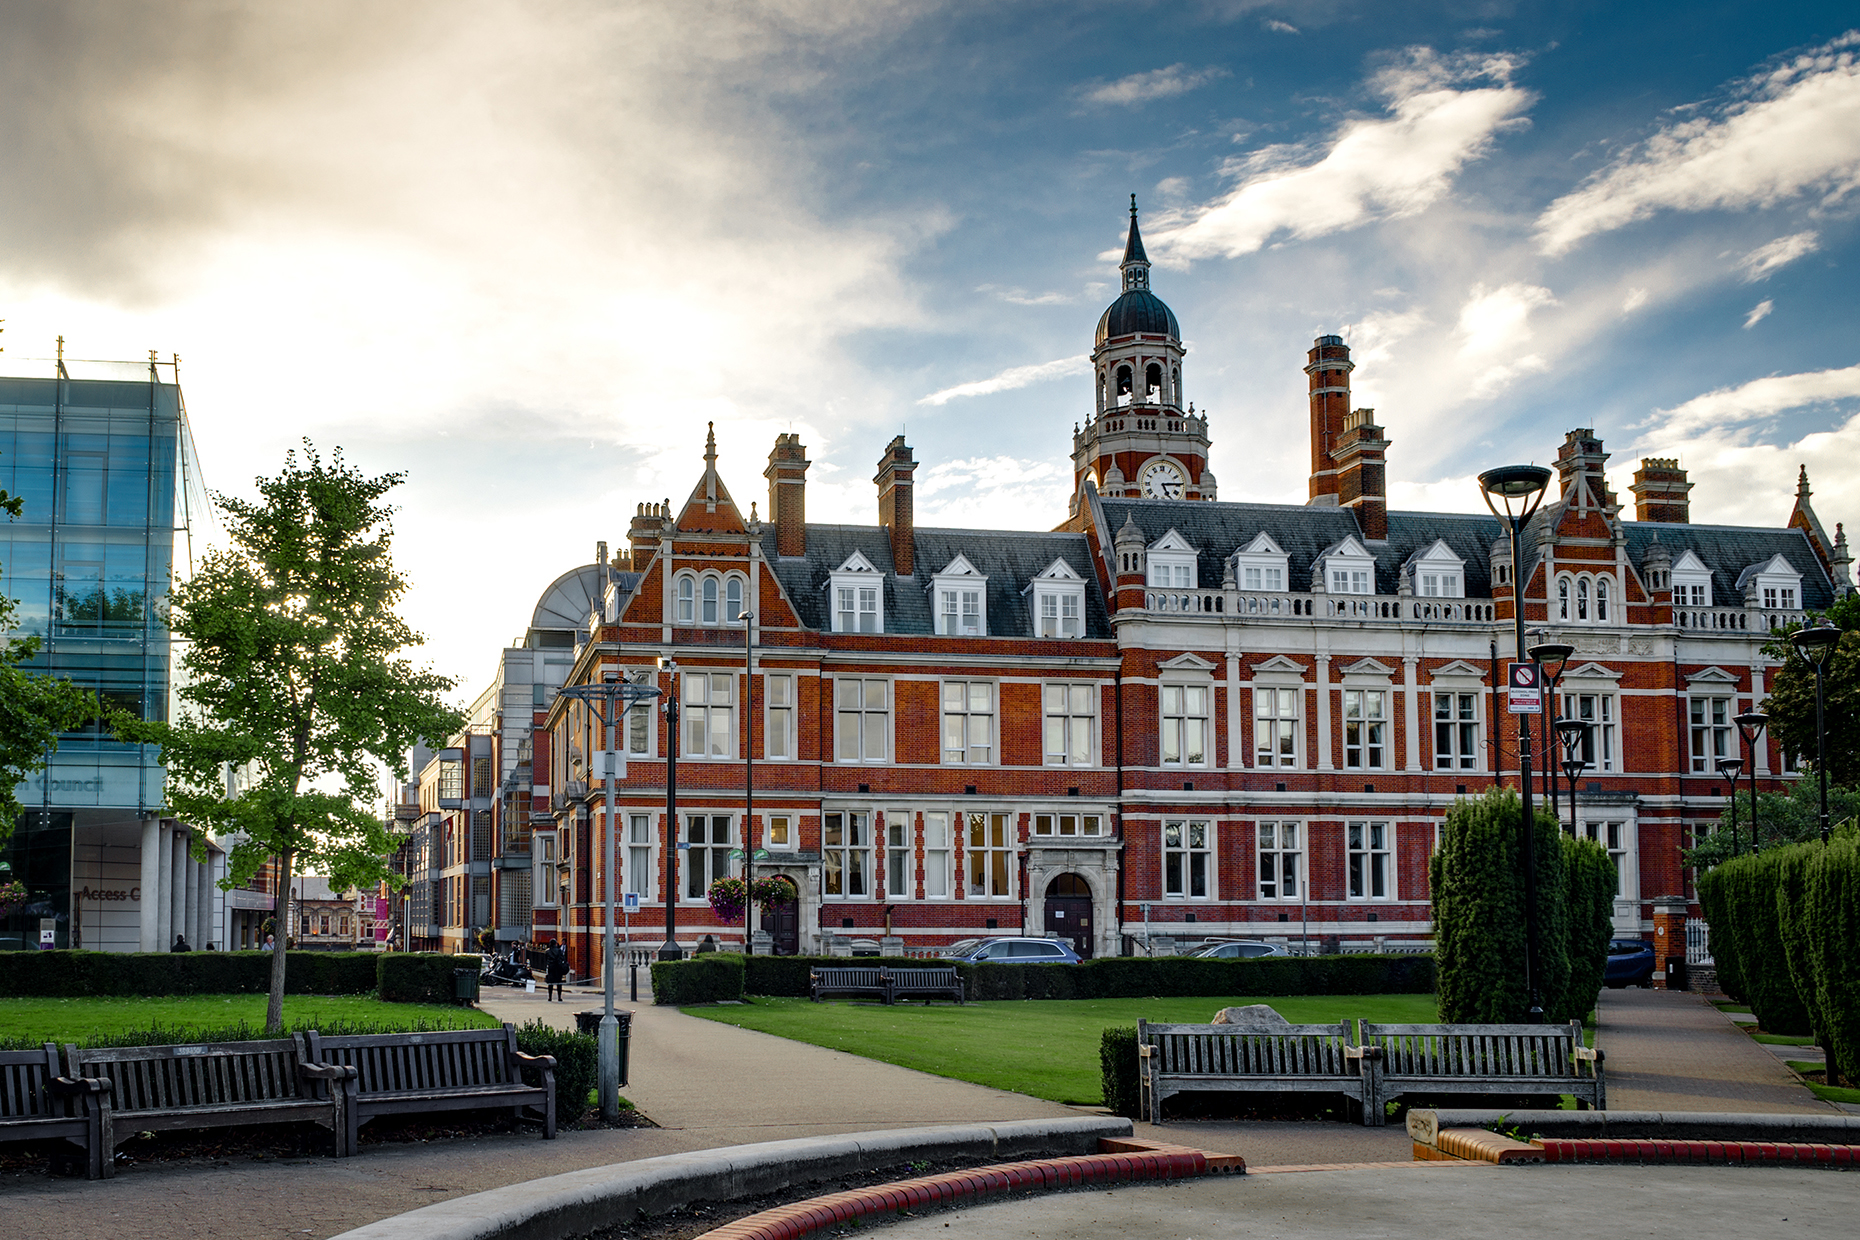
[1152, 382]
[1582, 598]
[732, 599]
[1562, 598]
[1175, 385]
[1601, 600]
[1123, 380]
[709, 614]
[687, 591]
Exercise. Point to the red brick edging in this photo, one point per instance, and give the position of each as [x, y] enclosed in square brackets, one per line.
[805, 1218]
[1772, 1153]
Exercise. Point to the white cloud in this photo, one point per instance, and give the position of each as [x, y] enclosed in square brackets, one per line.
[1760, 398]
[1760, 262]
[1011, 378]
[1789, 130]
[1278, 27]
[1636, 298]
[993, 492]
[1494, 326]
[1736, 482]
[1398, 164]
[1155, 84]
[1758, 313]
[1374, 336]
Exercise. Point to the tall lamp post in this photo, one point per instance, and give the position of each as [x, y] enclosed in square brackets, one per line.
[669, 950]
[608, 701]
[1553, 657]
[1750, 726]
[1816, 645]
[1520, 489]
[1572, 732]
[748, 622]
[1729, 768]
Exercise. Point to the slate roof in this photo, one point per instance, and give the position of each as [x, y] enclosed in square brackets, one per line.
[1727, 550]
[1010, 559]
[1139, 310]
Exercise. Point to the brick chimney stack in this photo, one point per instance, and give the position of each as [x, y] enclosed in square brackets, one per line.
[895, 510]
[642, 536]
[1360, 455]
[1582, 467]
[1661, 492]
[1329, 365]
[787, 475]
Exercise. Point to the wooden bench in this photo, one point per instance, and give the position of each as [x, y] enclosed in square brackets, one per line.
[1177, 1059]
[925, 984]
[208, 1085]
[37, 1102]
[456, 1070]
[1484, 1059]
[849, 980]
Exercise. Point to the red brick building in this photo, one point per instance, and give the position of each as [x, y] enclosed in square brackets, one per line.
[1174, 716]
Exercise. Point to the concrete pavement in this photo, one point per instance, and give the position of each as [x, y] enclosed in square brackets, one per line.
[1670, 1050]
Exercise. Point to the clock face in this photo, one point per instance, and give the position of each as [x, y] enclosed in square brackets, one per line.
[1162, 481]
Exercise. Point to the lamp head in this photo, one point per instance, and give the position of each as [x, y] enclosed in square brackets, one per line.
[1573, 767]
[668, 664]
[1552, 652]
[1572, 731]
[1751, 724]
[1520, 488]
[742, 617]
[1730, 768]
[1816, 643]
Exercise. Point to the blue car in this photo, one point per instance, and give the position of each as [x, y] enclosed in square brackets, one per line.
[1630, 963]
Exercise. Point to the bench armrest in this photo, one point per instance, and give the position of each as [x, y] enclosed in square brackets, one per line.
[1583, 1052]
[545, 1062]
[1145, 1050]
[1371, 1053]
[326, 1071]
[71, 1087]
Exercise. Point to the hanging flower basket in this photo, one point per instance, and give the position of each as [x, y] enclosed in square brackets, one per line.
[727, 897]
[13, 897]
[772, 893]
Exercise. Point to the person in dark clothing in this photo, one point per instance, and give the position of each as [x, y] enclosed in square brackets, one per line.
[556, 962]
[180, 944]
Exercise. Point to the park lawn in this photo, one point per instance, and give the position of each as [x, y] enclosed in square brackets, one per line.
[84, 1020]
[1784, 1039]
[1045, 1048]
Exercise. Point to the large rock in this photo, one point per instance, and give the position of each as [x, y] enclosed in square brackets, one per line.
[1255, 1016]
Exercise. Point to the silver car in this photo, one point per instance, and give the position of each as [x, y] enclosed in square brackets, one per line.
[1240, 949]
[1012, 951]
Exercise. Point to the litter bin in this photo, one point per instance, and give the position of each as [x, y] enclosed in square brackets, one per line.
[590, 1023]
[465, 985]
[1676, 978]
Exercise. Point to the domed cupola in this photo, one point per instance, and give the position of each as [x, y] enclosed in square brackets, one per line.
[1137, 311]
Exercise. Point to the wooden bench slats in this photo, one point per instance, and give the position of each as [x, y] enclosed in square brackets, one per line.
[1484, 1059]
[1296, 1058]
[38, 1103]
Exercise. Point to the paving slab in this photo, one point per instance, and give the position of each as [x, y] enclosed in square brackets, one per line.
[1670, 1050]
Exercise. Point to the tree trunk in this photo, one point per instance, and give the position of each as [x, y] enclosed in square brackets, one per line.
[274, 1007]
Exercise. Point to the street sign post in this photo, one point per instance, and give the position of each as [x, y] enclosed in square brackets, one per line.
[1524, 693]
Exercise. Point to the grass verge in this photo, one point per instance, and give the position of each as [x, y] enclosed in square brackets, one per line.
[1044, 1048]
[1783, 1039]
[94, 1020]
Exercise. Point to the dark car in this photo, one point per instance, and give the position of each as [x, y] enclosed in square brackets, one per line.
[1630, 963]
[1012, 951]
[1240, 949]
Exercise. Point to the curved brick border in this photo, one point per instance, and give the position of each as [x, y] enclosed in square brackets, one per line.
[1757, 1153]
[806, 1218]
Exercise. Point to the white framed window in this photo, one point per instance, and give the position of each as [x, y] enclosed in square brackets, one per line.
[639, 867]
[856, 591]
[1772, 585]
[778, 716]
[1436, 572]
[1070, 719]
[1365, 727]
[968, 722]
[685, 607]
[862, 719]
[1269, 577]
[732, 599]
[708, 600]
[1275, 725]
[1368, 857]
[1440, 585]
[1456, 730]
[1061, 825]
[1691, 581]
[778, 833]
[1597, 710]
[1352, 581]
[639, 717]
[542, 855]
[846, 854]
[1710, 719]
[900, 856]
[1188, 851]
[708, 858]
[1185, 725]
[1602, 594]
[1058, 602]
[1281, 860]
[1613, 837]
[937, 855]
[1172, 574]
[961, 595]
[1261, 565]
[1693, 594]
[989, 853]
[709, 714]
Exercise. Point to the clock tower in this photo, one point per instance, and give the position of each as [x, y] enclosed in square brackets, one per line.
[1142, 440]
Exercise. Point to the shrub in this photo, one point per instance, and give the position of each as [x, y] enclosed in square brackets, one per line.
[709, 978]
[1831, 919]
[239, 1031]
[80, 974]
[577, 1064]
[1746, 900]
[419, 977]
[1479, 912]
[1117, 1060]
[1591, 910]
[1723, 945]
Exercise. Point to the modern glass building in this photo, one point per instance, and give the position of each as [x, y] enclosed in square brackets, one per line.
[99, 453]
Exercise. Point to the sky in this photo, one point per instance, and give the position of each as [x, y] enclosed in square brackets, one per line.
[525, 252]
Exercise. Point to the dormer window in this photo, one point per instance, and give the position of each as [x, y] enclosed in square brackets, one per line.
[1773, 585]
[1261, 565]
[1058, 602]
[1436, 572]
[1691, 581]
[961, 600]
[1172, 563]
[1348, 569]
[856, 590]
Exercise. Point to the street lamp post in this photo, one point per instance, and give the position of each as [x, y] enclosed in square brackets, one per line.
[1571, 732]
[608, 700]
[748, 622]
[669, 950]
[1816, 645]
[1750, 726]
[1520, 489]
[1553, 657]
[1729, 768]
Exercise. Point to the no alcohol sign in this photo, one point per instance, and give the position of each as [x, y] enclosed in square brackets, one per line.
[1522, 690]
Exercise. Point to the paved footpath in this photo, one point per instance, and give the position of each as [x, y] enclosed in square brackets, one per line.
[1670, 1050]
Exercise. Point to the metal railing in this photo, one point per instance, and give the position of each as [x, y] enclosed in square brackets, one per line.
[1698, 941]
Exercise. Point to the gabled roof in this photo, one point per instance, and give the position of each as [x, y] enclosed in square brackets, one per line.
[1729, 549]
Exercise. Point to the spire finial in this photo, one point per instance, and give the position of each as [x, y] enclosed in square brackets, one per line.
[1136, 264]
[1133, 206]
[1801, 481]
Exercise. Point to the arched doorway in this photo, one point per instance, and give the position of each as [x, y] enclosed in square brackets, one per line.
[784, 923]
[1068, 912]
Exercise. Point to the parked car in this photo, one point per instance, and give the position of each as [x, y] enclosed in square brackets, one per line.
[1239, 949]
[1012, 951]
[1630, 963]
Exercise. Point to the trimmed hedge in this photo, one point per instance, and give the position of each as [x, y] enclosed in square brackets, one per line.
[1831, 946]
[577, 1064]
[1117, 1061]
[80, 974]
[708, 979]
[1591, 905]
[419, 977]
[1745, 898]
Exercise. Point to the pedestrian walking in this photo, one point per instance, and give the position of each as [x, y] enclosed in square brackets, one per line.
[556, 960]
[180, 944]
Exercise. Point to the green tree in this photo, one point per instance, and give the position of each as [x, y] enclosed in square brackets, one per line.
[295, 678]
[1591, 907]
[1787, 817]
[1791, 704]
[34, 707]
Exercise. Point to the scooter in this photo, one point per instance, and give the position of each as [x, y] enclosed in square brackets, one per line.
[503, 971]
